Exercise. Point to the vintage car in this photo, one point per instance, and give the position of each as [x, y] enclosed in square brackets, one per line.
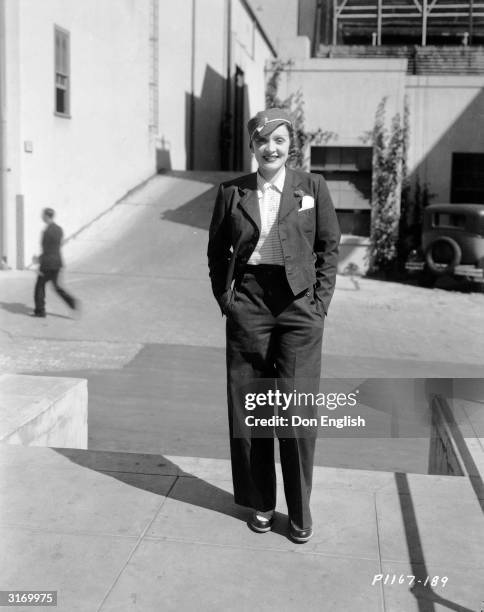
[452, 242]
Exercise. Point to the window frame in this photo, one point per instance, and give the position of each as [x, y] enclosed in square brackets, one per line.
[62, 33]
[333, 161]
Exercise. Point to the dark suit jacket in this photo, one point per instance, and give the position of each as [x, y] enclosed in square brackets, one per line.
[309, 238]
[51, 259]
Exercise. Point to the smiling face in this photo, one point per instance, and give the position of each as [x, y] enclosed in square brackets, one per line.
[271, 151]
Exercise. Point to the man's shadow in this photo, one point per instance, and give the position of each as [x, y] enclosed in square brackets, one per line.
[22, 309]
[129, 468]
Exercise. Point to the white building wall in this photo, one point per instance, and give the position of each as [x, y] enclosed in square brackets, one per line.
[279, 18]
[10, 132]
[194, 57]
[342, 95]
[209, 86]
[175, 60]
[81, 165]
[446, 116]
[445, 112]
[251, 54]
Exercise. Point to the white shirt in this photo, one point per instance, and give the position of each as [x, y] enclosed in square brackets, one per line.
[268, 249]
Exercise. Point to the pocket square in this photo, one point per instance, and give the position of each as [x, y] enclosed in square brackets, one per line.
[307, 202]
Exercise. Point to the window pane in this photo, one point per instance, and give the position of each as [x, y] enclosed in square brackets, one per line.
[354, 222]
[61, 76]
[467, 178]
[60, 105]
[57, 51]
[64, 55]
[61, 81]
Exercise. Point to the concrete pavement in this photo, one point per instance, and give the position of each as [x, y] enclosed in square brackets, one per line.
[144, 520]
[119, 531]
[141, 273]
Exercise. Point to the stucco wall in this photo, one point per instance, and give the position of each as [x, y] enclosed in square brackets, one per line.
[250, 53]
[446, 116]
[175, 52]
[194, 56]
[342, 95]
[279, 18]
[210, 69]
[445, 112]
[81, 165]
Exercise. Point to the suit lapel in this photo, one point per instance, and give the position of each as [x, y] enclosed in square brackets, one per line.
[249, 200]
[288, 199]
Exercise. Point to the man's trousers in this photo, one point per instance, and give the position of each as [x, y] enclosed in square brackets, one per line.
[39, 291]
[275, 336]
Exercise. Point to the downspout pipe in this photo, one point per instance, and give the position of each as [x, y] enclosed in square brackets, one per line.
[191, 136]
[3, 136]
[226, 128]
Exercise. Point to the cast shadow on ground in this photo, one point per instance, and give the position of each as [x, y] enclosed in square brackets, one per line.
[133, 468]
[195, 213]
[22, 309]
[426, 598]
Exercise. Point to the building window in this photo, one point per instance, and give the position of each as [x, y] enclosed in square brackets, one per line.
[62, 72]
[347, 171]
[467, 178]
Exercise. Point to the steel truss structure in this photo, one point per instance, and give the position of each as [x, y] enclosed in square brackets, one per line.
[419, 12]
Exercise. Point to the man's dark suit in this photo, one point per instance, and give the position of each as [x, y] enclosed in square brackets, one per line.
[275, 318]
[50, 263]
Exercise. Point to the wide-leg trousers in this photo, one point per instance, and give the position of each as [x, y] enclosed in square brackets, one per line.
[271, 335]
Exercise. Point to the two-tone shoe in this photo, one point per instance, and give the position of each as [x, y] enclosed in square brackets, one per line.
[298, 535]
[261, 522]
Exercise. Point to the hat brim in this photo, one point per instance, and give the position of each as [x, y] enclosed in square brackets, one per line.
[269, 128]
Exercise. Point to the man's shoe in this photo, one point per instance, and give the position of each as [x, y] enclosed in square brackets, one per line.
[38, 314]
[299, 536]
[261, 522]
[76, 309]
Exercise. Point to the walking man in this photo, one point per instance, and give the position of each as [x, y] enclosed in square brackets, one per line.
[50, 263]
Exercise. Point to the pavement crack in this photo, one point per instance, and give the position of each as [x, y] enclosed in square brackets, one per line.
[7, 333]
[136, 546]
[382, 591]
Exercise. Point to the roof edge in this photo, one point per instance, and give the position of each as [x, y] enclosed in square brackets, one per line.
[258, 24]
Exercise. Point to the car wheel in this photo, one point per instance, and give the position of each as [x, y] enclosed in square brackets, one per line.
[443, 255]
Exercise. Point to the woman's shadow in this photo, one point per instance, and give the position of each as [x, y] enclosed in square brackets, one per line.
[132, 469]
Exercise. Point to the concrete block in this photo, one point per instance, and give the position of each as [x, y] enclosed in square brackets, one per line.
[43, 411]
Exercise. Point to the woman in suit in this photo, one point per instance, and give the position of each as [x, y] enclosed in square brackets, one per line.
[272, 255]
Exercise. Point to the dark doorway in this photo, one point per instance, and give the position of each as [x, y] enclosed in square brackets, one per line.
[239, 120]
[467, 178]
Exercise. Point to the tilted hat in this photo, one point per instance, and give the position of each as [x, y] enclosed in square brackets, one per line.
[267, 121]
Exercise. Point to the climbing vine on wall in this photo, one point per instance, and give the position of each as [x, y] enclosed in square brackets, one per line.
[293, 104]
[388, 176]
